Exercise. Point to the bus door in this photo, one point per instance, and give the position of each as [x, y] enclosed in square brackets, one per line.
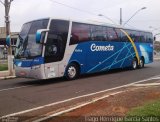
[55, 47]
[52, 55]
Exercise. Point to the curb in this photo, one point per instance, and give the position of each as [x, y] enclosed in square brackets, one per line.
[156, 59]
[7, 77]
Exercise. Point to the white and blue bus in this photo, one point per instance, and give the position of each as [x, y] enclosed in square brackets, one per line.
[50, 48]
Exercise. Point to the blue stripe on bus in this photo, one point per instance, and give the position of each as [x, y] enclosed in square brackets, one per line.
[29, 62]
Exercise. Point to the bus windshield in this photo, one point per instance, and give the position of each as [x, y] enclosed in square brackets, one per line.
[26, 46]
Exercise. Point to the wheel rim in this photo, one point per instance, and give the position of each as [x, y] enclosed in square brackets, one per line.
[72, 71]
[134, 64]
[141, 63]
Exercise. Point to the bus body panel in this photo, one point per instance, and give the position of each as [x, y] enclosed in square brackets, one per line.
[92, 56]
[145, 50]
[122, 56]
[102, 59]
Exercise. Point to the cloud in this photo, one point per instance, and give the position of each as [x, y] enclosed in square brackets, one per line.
[23, 11]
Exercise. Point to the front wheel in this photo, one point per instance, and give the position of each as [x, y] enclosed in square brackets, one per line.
[72, 71]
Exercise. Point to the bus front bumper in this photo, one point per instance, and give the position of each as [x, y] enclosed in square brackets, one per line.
[36, 72]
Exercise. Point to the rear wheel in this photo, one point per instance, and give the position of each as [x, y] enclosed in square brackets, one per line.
[141, 63]
[72, 71]
[134, 64]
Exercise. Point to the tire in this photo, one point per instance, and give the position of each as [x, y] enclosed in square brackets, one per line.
[134, 64]
[141, 65]
[72, 71]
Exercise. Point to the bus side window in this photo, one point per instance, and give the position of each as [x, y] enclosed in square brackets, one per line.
[97, 34]
[105, 34]
[80, 33]
[149, 38]
[118, 33]
[142, 37]
[112, 35]
[74, 34]
[124, 38]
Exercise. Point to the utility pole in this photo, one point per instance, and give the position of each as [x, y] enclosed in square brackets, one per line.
[120, 16]
[7, 21]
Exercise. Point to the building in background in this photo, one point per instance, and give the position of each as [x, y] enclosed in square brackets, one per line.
[3, 50]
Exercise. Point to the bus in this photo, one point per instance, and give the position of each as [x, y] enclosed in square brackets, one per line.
[50, 48]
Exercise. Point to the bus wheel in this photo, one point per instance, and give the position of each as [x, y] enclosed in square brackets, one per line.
[134, 64]
[72, 71]
[141, 65]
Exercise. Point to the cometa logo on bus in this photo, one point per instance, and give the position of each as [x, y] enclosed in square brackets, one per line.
[96, 48]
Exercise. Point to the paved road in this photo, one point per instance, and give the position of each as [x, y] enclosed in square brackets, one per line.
[20, 94]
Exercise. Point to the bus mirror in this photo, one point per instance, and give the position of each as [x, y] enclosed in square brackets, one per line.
[154, 38]
[8, 40]
[39, 35]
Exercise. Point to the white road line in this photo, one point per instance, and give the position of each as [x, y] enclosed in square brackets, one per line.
[156, 78]
[1, 90]
[76, 107]
[74, 98]
[147, 84]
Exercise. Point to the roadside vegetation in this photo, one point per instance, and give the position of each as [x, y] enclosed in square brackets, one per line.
[149, 109]
[3, 67]
[146, 113]
[157, 46]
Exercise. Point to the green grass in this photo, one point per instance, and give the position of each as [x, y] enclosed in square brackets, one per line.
[3, 67]
[150, 112]
[149, 109]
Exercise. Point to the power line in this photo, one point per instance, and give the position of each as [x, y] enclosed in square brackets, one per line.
[1, 2]
[66, 5]
[88, 12]
[81, 10]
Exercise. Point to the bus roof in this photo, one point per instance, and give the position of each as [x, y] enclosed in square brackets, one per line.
[94, 22]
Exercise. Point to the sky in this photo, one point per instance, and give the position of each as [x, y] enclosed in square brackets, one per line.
[22, 11]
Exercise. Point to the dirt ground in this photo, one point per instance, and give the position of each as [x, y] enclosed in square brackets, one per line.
[117, 105]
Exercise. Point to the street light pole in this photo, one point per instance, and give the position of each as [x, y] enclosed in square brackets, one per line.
[7, 21]
[133, 15]
[120, 16]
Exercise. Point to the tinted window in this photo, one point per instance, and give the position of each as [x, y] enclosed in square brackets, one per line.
[142, 37]
[80, 33]
[97, 33]
[112, 34]
[40, 24]
[138, 36]
[105, 34]
[118, 33]
[124, 38]
[133, 35]
[149, 37]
